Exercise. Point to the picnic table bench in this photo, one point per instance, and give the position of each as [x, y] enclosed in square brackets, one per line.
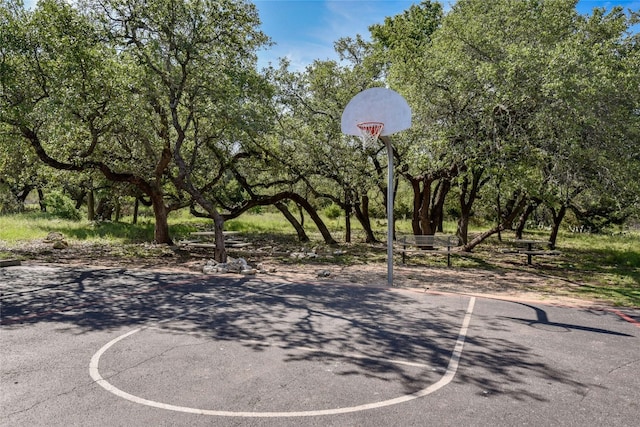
[426, 244]
[531, 249]
[206, 239]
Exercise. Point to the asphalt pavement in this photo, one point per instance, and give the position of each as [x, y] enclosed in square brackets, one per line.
[118, 347]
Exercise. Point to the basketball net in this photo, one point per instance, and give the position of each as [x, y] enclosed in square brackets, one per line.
[370, 131]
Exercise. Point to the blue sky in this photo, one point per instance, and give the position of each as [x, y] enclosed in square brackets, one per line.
[305, 30]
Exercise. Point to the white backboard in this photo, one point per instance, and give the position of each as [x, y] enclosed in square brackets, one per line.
[377, 104]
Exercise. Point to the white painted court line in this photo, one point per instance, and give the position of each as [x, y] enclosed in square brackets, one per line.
[448, 376]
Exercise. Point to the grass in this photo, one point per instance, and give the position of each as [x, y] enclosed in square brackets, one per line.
[36, 225]
[601, 267]
[604, 266]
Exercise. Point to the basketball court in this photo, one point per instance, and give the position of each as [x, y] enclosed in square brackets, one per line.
[88, 346]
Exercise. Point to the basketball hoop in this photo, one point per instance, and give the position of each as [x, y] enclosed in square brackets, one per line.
[365, 116]
[370, 131]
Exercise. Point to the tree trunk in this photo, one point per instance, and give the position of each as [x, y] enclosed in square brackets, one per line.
[428, 203]
[290, 195]
[465, 211]
[506, 223]
[316, 219]
[136, 205]
[91, 205]
[154, 191]
[302, 235]
[22, 194]
[104, 211]
[362, 214]
[41, 202]
[469, 192]
[437, 210]
[426, 224]
[347, 224]
[161, 213]
[301, 212]
[417, 203]
[526, 213]
[557, 220]
[463, 227]
[117, 210]
[78, 197]
[498, 209]
[220, 252]
[422, 221]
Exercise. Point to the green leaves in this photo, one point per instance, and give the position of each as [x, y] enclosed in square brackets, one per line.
[156, 92]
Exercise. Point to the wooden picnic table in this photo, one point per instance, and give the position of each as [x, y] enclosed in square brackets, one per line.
[206, 237]
[440, 243]
[531, 251]
[213, 233]
[529, 243]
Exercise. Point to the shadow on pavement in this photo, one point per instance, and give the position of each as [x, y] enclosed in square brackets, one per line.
[333, 322]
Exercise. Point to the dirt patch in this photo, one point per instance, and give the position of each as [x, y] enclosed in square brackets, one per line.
[495, 283]
[513, 285]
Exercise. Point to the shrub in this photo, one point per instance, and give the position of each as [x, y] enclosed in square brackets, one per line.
[61, 206]
[8, 201]
[332, 211]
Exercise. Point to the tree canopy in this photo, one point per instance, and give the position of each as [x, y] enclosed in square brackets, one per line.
[520, 108]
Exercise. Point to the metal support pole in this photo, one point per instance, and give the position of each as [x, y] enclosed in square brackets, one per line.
[387, 143]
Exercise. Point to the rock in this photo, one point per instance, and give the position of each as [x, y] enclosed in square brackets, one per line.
[210, 268]
[232, 265]
[236, 265]
[265, 269]
[54, 236]
[323, 273]
[302, 255]
[60, 244]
